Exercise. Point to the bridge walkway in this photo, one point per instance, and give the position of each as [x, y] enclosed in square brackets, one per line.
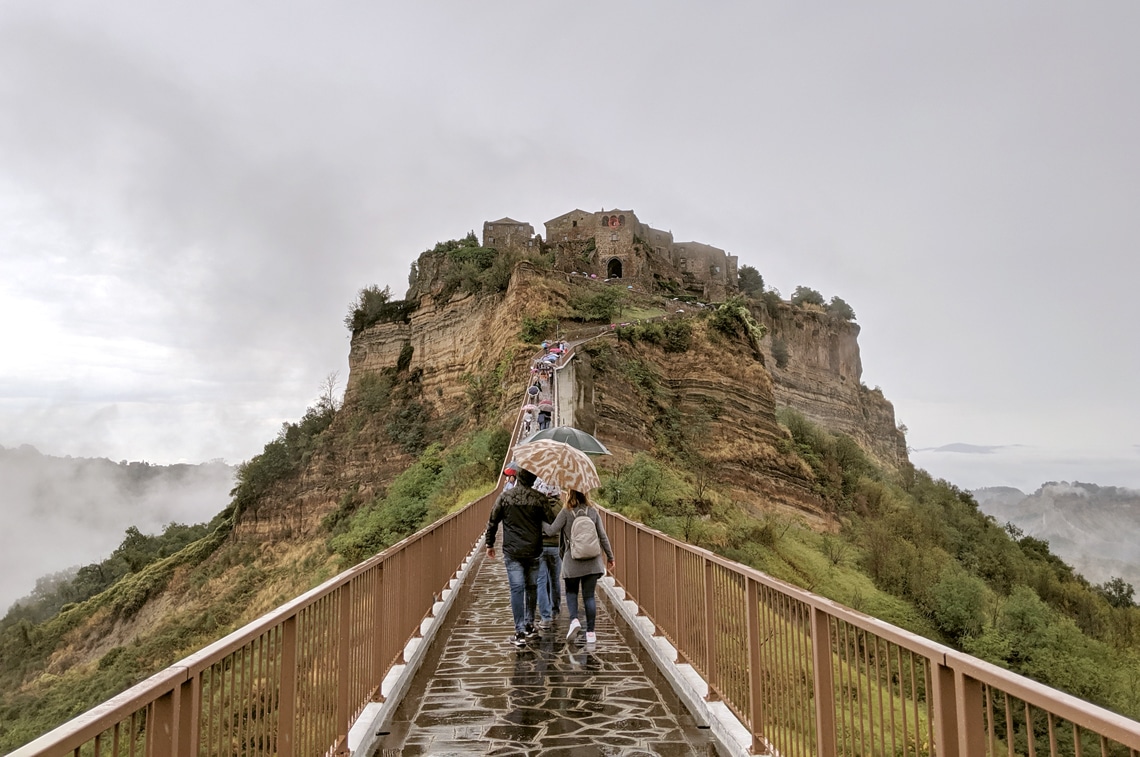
[477, 694]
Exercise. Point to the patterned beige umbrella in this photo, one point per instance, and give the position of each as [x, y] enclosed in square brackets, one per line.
[558, 463]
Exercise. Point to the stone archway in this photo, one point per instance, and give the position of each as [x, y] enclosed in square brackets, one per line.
[613, 269]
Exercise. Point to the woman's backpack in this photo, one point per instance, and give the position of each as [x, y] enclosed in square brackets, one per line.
[584, 543]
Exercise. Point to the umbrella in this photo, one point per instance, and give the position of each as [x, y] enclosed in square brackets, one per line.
[576, 438]
[532, 391]
[529, 406]
[545, 406]
[556, 350]
[558, 463]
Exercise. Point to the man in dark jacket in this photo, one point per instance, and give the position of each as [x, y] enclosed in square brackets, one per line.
[521, 511]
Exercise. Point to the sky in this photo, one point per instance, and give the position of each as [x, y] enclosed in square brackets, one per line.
[191, 194]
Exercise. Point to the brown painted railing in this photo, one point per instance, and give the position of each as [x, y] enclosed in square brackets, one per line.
[292, 682]
[808, 676]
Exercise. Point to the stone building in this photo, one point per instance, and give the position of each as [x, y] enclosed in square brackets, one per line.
[509, 234]
[616, 244]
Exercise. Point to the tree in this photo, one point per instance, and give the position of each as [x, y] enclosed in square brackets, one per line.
[840, 309]
[807, 296]
[751, 282]
[1117, 591]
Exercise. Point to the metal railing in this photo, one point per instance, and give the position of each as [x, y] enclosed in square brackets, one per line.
[808, 676]
[293, 681]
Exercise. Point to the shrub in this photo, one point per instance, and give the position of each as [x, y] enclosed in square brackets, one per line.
[374, 305]
[534, 330]
[750, 281]
[780, 353]
[840, 309]
[603, 305]
[807, 296]
[408, 426]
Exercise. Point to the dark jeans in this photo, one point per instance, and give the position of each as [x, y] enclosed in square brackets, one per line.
[522, 575]
[549, 591]
[589, 583]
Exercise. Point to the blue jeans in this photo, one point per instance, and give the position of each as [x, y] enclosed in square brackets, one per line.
[589, 583]
[549, 592]
[522, 575]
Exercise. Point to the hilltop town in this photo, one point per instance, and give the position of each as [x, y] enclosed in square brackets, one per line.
[615, 244]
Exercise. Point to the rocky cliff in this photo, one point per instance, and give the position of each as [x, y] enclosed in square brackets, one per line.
[816, 370]
[628, 395]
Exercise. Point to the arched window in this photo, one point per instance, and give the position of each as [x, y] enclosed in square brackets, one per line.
[613, 270]
[605, 220]
[613, 220]
[621, 220]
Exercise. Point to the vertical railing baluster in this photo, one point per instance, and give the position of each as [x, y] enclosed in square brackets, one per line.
[824, 682]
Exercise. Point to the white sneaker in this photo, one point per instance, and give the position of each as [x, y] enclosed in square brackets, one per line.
[591, 637]
[575, 626]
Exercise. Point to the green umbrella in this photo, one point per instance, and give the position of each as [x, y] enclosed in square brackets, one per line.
[576, 438]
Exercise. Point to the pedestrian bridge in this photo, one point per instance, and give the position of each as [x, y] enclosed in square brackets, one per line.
[406, 653]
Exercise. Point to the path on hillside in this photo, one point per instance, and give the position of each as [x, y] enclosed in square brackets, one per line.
[477, 694]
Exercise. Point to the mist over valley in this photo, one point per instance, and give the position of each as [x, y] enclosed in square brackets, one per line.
[65, 512]
[1091, 527]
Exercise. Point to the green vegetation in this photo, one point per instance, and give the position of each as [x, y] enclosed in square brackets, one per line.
[911, 550]
[671, 336]
[733, 319]
[294, 445]
[472, 268]
[750, 281]
[604, 305]
[536, 329]
[840, 309]
[421, 494]
[807, 296]
[375, 305]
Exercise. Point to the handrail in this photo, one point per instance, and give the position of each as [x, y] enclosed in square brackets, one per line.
[808, 676]
[292, 681]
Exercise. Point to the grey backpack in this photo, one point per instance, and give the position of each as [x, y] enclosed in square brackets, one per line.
[584, 542]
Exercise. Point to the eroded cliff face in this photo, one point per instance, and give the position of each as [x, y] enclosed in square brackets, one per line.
[715, 399]
[464, 335]
[816, 370]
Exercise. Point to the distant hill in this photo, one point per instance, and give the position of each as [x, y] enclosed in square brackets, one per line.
[1091, 527]
[64, 512]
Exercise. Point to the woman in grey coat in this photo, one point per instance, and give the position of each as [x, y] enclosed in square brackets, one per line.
[584, 573]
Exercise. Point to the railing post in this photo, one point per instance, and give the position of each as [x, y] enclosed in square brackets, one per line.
[755, 679]
[162, 722]
[971, 721]
[710, 631]
[378, 634]
[824, 682]
[945, 710]
[189, 707]
[344, 662]
[287, 710]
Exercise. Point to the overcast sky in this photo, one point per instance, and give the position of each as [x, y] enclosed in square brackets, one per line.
[192, 193]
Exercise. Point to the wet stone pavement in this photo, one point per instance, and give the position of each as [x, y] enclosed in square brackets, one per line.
[478, 694]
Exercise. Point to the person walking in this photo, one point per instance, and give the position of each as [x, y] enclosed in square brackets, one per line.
[581, 573]
[521, 510]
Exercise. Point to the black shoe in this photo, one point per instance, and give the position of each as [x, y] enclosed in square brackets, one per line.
[530, 630]
[518, 639]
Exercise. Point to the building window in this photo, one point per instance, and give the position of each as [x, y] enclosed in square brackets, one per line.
[573, 223]
[621, 220]
[490, 240]
[613, 237]
[530, 243]
[605, 220]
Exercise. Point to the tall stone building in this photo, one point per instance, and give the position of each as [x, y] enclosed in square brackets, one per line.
[615, 244]
[509, 234]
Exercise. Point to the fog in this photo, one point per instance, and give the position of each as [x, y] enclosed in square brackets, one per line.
[61, 513]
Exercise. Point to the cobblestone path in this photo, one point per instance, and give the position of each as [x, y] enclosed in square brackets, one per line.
[477, 694]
